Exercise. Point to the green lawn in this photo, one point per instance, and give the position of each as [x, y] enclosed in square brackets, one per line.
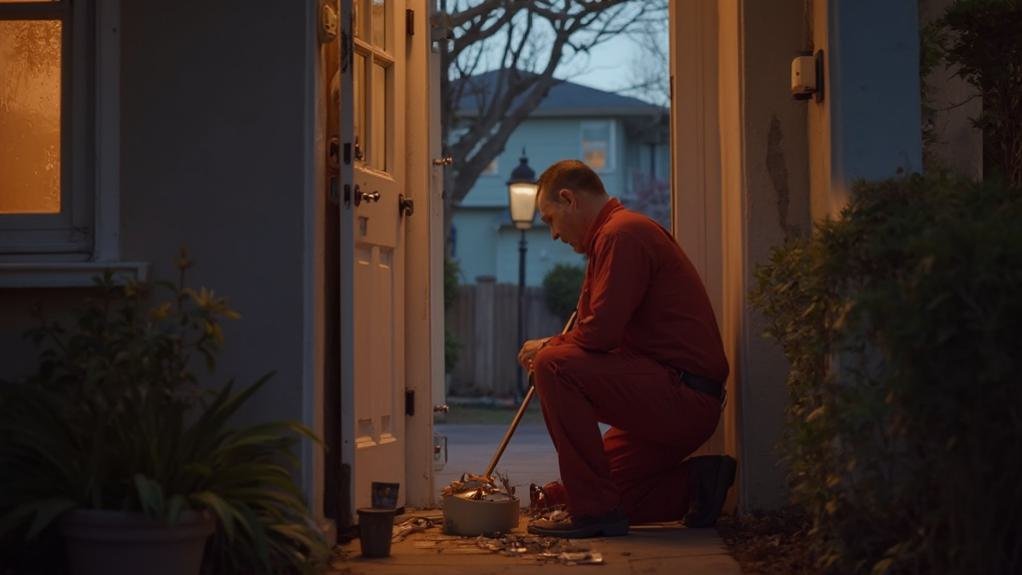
[482, 414]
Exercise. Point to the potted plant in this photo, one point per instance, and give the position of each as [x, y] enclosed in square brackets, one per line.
[114, 443]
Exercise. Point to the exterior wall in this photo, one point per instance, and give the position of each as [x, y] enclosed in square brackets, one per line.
[872, 99]
[486, 242]
[741, 184]
[541, 256]
[475, 247]
[215, 155]
[488, 245]
[775, 186]
[819, 120]
[214, 151]
[546, 140]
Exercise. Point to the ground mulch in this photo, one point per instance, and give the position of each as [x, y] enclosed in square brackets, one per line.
[768, 542]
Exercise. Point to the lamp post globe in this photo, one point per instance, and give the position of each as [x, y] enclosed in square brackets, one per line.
[521, 191]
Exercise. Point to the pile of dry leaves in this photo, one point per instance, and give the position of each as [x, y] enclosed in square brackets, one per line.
[769, 543]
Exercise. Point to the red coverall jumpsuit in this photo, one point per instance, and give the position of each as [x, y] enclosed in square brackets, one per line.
[644, 316]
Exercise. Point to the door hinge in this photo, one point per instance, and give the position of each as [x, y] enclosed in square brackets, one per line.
[347, 195]
[347, 153]
[405, 206]
[410, 22]
[409, 402]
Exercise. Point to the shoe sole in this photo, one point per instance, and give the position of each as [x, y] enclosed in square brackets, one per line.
[582, 532]
[725, 479]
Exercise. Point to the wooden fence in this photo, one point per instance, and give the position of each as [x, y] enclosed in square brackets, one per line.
[484, 319]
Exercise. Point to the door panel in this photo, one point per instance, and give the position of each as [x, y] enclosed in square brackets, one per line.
[372, 250]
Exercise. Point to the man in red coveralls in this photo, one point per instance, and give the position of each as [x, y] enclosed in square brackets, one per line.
[645, 357]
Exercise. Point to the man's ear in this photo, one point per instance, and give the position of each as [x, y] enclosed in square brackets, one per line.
[567, 196]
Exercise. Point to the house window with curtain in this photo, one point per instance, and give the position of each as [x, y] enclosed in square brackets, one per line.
[46, 200]
[597, 140]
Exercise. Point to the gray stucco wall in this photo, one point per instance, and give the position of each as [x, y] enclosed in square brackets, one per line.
[874, 105]
[776, 204]
[212, 148]
[213, 158]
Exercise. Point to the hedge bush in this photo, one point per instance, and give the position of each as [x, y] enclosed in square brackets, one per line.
[902, 323]
[561, 287]
[452, 345]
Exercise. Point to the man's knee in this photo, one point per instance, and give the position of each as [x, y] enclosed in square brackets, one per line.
[550, 359]
[554, 362]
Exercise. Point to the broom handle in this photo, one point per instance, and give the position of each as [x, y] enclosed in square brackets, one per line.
[521, 410]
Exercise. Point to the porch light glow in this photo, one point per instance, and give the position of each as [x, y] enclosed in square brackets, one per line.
[521, 190]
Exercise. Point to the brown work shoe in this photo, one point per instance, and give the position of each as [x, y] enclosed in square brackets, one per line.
[563, 524]
[710, 476]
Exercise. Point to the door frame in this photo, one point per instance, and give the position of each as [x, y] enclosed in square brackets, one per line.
[424, 319]
[707, 171]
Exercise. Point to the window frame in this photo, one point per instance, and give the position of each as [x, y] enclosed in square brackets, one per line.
[611, 164]
[70, 234]
[26, 260]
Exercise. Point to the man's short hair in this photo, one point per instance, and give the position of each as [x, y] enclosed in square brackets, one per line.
[572, 174]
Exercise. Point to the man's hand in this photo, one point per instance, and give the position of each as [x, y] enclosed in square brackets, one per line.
[528, 351]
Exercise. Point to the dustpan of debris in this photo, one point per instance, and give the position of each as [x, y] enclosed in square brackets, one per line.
[477, 505]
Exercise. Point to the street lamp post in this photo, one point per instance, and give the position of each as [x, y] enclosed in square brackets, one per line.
[521, 190]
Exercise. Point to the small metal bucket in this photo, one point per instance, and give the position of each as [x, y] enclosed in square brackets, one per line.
[494, 513]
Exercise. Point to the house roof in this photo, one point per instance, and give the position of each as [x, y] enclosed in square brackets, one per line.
[564, 99]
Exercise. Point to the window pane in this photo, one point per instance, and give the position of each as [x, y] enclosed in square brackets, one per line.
[359, 105]
[380, 103]
[596, 145]
[380, 23]
[30, 116]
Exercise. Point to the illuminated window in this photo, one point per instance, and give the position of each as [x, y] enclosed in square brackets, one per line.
[30, 116]
[598, 145]
[47, 101]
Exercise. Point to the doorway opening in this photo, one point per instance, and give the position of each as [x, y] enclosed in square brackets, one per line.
[606, 103]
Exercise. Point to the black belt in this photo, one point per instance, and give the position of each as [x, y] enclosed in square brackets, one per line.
[703, 385]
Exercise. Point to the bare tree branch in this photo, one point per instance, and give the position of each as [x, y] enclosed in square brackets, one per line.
[500, 65]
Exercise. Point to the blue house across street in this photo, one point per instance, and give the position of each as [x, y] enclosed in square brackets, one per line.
[623, 138]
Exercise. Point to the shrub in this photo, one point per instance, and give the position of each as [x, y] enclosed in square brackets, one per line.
[901, 324]
[452, 346]
[979, 40]
[115, 419]
[561, 287]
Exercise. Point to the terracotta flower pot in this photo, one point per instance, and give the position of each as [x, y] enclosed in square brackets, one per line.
[117, 542]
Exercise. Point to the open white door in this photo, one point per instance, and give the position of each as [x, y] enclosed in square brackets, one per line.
[372, 244]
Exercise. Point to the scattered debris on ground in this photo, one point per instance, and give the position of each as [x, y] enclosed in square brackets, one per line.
[537, 548]
[472, 486]
[427, 528]
[769, 543]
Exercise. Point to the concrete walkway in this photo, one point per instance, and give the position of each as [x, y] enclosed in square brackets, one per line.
[530, 457]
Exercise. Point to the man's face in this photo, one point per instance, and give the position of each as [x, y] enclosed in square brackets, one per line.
[564, 218]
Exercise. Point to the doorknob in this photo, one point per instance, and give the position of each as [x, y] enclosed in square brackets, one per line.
[443, 161]
[367, 197]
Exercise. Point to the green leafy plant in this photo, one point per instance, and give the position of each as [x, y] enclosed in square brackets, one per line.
[900, 321]
[115, 419]
[979, 40]
[561, 287]
[452, 345]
